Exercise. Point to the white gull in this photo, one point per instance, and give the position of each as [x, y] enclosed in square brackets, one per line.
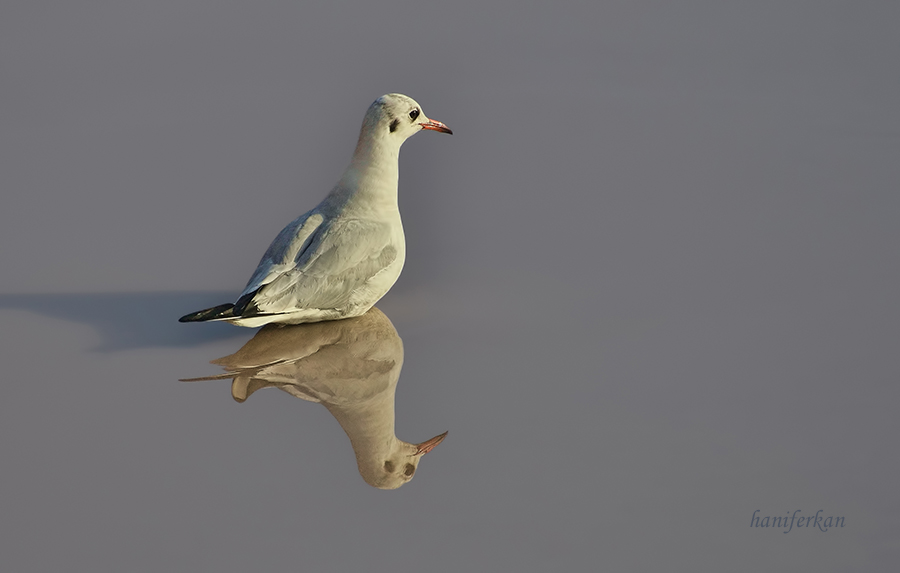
[339, 259]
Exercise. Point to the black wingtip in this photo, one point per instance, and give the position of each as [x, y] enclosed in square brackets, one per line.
[242, 303]
[221, 311]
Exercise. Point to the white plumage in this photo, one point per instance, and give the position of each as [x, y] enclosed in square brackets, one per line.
[337, 260]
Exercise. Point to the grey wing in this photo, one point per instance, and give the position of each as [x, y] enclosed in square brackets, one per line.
[338, 260]
[283, 254]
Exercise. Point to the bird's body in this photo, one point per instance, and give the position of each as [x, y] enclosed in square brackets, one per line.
[337, 260]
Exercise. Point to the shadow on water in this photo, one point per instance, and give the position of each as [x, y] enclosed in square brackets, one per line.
[132, 320]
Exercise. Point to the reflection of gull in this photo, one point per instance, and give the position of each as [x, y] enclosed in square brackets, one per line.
[349, 366]
[337, 260]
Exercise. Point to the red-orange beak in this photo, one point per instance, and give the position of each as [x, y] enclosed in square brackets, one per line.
[429, 445]
[435, 126]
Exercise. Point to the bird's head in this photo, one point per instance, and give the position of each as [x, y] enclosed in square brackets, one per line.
[397, 468]
[397, 117]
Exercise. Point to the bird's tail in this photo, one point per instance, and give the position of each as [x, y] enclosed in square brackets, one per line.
[242, 385]
[221, 312]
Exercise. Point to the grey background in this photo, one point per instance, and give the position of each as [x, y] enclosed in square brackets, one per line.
[651, 283]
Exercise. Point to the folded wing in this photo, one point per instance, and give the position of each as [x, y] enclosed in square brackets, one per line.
[317, 264]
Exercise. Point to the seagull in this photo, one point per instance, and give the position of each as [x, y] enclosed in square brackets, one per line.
[339, 259]
[349, 366]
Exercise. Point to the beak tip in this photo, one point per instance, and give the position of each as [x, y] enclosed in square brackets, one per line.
[429, 445]
[436, 126]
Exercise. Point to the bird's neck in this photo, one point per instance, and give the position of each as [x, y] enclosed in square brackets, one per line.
[370, 182]
[369, 424]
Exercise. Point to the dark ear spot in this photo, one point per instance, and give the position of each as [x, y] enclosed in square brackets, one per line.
[394, 125]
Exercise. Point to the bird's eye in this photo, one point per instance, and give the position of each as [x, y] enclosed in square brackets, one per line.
[414, 114]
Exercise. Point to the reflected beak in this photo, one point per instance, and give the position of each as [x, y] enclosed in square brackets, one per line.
[429, 445]
[435, 126]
